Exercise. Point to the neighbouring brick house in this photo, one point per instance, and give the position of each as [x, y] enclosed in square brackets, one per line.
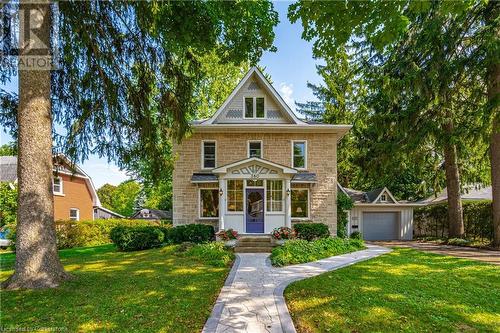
[75, 197]
[254, 166]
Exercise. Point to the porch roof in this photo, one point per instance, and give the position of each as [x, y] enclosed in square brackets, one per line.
[204, 178]
[284, 168]
[304, 177]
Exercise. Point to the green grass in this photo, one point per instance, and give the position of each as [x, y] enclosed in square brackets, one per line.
[146, 291]
[403, 291]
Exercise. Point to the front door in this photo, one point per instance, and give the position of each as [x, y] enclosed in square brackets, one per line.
[255, 210]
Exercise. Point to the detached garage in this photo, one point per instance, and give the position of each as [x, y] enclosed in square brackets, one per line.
[379, 216]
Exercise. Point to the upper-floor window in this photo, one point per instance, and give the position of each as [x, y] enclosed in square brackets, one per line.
[299, 154]
[255, 149]
[74, 214]
[208, 154]
[57, 185]
[254, 107]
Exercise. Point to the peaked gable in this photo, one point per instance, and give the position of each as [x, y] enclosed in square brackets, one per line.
[254, 85]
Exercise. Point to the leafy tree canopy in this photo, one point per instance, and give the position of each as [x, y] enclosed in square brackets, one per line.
[120, 199]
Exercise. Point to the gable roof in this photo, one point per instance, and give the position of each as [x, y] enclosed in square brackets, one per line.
[284, 168]
[270, 89]
[62, 165]
[370, 197]
[156, 214]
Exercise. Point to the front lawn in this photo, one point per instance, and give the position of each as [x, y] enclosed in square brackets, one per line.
[146, 291]
[405, 290]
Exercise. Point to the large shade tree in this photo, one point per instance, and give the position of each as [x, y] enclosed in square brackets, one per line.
[124, 83]
[428, 64]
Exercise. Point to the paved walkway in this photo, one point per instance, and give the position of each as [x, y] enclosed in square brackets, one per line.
[489, 256]
[252, 298]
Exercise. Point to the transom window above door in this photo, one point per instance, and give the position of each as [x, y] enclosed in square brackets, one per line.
[254, 107]
[255, 149]
[208, 152]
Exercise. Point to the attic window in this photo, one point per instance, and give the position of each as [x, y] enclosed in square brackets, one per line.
[254, 107]
[383, 198]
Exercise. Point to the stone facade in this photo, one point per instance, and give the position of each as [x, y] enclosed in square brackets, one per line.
[277, 148]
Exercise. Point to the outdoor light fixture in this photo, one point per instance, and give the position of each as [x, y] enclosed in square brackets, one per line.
[288, 192]
[221, 192]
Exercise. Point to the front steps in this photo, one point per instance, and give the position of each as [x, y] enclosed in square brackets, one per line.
[254, 244]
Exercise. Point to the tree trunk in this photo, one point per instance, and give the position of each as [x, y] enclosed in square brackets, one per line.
[37, 262]
[492, 12]
[455, 216]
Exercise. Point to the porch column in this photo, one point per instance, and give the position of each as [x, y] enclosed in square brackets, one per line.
[288, 205]
[222, 202]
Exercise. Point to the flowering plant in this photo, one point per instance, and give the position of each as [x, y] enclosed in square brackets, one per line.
[283, 233]
[228, 234]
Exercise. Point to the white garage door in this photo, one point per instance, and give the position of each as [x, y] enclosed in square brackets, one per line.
[380, 226]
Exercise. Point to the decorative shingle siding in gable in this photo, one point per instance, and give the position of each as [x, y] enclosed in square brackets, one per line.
[233, 112]
[232, 147]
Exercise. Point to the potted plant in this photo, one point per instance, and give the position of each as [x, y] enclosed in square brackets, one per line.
[229, 237]
[282, 234]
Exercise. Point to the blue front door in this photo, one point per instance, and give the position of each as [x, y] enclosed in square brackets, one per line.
[255, 210]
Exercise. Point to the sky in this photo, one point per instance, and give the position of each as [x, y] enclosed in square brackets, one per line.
[290, 68]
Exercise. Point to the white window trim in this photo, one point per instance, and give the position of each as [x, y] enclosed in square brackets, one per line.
[203, 154]
[235, 212]
[254, 107]
[77, 214]
[383, 198]
[283, 194]
[61, 192]
[305, 154]
[261, 147]
[308, 217]
[199, 203]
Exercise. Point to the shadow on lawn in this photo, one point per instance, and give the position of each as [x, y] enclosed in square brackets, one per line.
[405, 290]
[143, 291]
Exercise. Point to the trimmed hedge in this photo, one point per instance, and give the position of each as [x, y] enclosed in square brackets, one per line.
[433, 220]
[301, 251]
[311, 231]
[141, 238]
[137, 238]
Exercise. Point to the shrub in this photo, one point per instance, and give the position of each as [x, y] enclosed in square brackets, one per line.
[301, 251]
[195, 233]
[311, 231]
[344, 204]
[458, 241]
[137, 238]
[228, 234]
[213, 253]
[283, 233]
[433, 220]
[356, 235]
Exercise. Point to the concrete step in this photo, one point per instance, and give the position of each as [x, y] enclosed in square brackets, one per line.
[255, 244]
[245, 239]
[245, 249]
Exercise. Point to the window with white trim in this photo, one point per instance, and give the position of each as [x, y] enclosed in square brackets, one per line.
[299, 154]
[254, 107]
[383, 198]
[235, 195]
[57, 185]
[208, 152]
[209, 202]
[274, 195]
[300, 202]
[74, 214]
[255, 149]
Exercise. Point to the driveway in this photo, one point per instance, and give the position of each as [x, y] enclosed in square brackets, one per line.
[252, 299]
[489, 256]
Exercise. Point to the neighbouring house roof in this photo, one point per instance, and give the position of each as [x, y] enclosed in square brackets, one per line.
[204, 178]
[304, 177]
[152, 214]
[373, 194]
[373, 197]
[109, 211]
[474, 192]
[8, 168]
[8, 172]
